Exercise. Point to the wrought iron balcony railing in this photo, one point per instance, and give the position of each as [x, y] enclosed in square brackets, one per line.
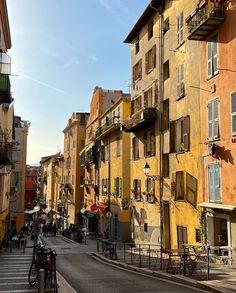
[110, 125]
[140, 119]
[205, 19]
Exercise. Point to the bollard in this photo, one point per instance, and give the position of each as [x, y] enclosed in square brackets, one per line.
[41, 281]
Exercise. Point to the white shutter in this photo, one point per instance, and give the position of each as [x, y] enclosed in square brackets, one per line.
[215, 119]
[178, 30]
[210, 120]
[233, 112]
[209, 59]
[214, 54]
[178, 81]
[181, 28]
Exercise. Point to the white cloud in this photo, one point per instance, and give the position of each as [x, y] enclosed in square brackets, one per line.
[93, 57]
[114, 5]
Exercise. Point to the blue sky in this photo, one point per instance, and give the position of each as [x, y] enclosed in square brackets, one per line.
[60, 51]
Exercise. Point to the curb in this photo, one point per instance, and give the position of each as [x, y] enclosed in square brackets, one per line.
[168, 277]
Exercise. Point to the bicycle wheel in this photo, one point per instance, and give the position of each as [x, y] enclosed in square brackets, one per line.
[33, 274]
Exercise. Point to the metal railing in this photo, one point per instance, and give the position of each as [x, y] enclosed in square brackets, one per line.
[193, 260]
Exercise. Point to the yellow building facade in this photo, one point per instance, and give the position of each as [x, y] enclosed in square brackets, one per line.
[168, 79]
[6, 120]
[18, 174]
[114, 171]
[73, 173]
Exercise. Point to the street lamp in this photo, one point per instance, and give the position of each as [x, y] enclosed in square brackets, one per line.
[108, 214]
[146, 170]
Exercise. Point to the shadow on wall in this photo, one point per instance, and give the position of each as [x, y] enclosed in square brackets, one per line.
[224, 154]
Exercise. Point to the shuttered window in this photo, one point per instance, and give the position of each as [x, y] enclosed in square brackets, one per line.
[180, 81]
[150, 59]
[135, 148]
[213, 120]
[180, 28]
[147, 101]
[233, 112]
[214, 183]
[191, 189]
[179, 195]
[212, 56]
[137, 188]
[117, 186]
[137, 72]
[182, 236]
[165, 165]
[182, 134]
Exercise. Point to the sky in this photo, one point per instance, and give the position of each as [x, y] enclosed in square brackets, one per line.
[61, 50]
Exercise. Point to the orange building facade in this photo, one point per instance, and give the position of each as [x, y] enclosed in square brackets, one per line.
[218, 117]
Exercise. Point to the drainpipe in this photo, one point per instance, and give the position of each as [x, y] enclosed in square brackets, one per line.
[161, 96]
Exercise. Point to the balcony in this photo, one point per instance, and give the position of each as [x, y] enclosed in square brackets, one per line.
[6, 149]
[110, 126]
[5, 89]
[140, 119]
[205, 19]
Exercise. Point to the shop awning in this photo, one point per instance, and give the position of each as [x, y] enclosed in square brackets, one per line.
[103, 206]
[94, 207]
[86, 148]
[219, 206]
[34, 210]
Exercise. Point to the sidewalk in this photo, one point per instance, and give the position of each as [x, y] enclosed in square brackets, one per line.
[223, 280]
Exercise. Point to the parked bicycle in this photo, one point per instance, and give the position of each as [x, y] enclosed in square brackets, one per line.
[43, 258]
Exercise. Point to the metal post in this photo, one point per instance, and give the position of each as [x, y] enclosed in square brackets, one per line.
[140, 261]
[41, 281]
[208, 262]
[149, 262]
[124, 252]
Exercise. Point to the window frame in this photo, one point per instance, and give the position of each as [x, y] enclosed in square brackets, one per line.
[210, 59]
[233, 114]
[211, 196]
[213, 121]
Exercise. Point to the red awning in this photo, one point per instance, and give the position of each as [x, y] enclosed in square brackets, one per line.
[93, 207]
[103, 206]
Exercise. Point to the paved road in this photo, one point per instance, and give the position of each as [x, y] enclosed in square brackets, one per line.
[89, 275]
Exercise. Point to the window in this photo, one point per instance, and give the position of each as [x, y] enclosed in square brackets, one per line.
[150, 29]
[106, 152]
[180, 82]
[165, 115]
[179, 192]
[137, 188]
[233, 113]
[180, 28]
[147, 99]
[82, 143]
[165, 165]
[182, 236]
[213, 120]
[212, 56]
[145, 227]
[137, 104]
[150, 185]
[166, 70]
[137, 71]
[83, 119]
[149, 144]
[117, 186]
[198, 235]
[137, 46]
[214, 182]
[191, 189]
[150, 59]
[180, 135]
[135, 148]
[117, 146]
[166, 25]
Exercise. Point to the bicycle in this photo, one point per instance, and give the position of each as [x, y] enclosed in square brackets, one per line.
[43, 259]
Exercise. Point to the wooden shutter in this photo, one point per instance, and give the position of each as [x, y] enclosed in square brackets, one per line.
[186, 133]
[154, 56]
[140, 69]
[173, 184]
[178, 81]
[179, 185]
[179, 135]
[178, 30]
[217, 182]
[211, 193]
[233, 113]
[172, 137]
[146, 63]
[181, 27]
[191, 189]
[139, 186]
